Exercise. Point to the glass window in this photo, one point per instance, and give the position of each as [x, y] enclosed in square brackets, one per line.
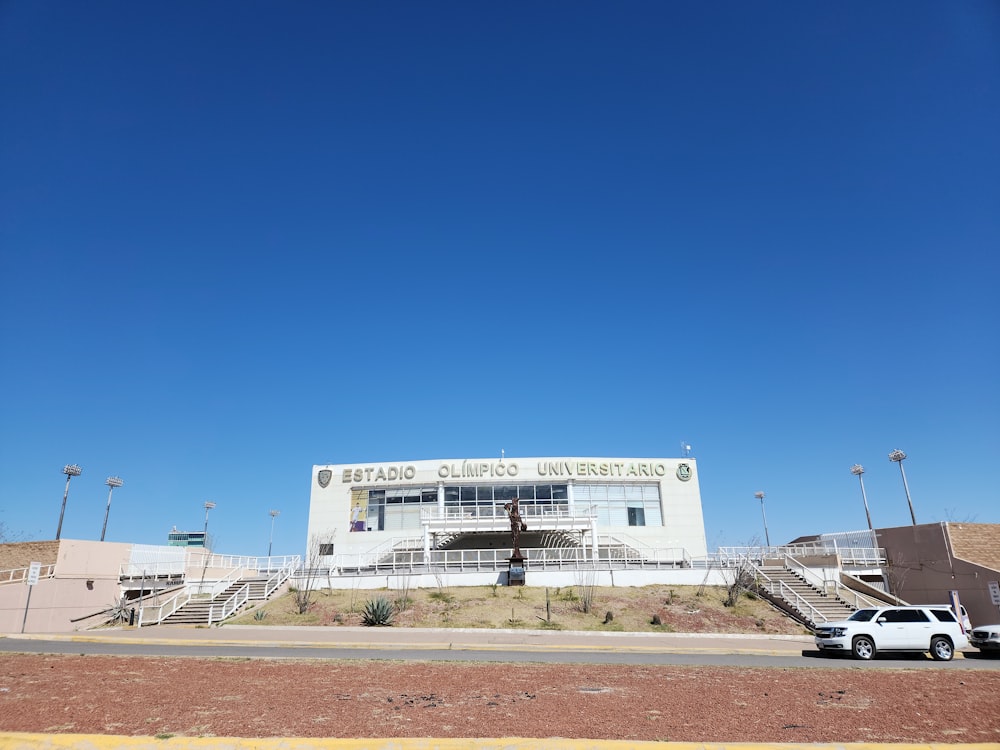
[504, 494]
[863, 615]
[559, 492]
[944, 615]
[526, 492]
[468, 495]
[543, 491]
[451, 495]
[484, 495]
[636, 517]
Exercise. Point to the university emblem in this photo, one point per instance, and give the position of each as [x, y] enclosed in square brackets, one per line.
[323, 477]
[683, 472]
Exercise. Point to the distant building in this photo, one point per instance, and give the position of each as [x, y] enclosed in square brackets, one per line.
[186, 538]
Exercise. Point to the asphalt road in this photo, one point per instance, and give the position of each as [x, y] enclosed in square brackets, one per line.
[466, 646]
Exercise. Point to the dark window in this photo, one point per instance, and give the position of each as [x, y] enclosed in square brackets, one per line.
[504, 494]
[636, 517]
[904, 615]
[944, 615]
[326, 549]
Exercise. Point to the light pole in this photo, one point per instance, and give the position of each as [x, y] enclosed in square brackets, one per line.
[208, 506]
[760, 496]
[898, 456]
[70, 470]
[112, 482]
[857, 470]
[273, 514]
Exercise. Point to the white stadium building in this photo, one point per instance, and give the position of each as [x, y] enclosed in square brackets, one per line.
[448, 515]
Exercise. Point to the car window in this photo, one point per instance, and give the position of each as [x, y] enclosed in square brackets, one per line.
[912, 615]
[890, 615]
[863, 615]
[944, 615]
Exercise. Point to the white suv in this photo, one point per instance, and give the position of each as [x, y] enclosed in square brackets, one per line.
[930, 627]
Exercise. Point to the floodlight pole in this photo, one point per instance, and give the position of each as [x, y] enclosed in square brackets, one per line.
[857, 470]
[208, 506]
[70, 470]
[760, 496]
[897, 456]
[273, 514]
[112, 482]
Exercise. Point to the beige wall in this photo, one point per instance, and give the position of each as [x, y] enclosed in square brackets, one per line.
[85, 582]
[922, 568]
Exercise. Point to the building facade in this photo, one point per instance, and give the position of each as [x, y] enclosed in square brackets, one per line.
[361, 510]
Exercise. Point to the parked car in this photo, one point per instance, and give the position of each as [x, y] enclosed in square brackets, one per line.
[986, 638]
[929, 628]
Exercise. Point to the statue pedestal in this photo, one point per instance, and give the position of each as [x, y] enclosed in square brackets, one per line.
[515, 571]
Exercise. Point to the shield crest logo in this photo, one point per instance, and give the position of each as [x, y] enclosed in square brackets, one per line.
[683, 472]
[323, 477]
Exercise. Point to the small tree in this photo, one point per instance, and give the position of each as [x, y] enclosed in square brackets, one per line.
[740, 578]
[586, 581]
[312, 571]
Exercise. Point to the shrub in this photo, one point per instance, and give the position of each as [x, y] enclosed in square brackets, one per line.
[378, 612]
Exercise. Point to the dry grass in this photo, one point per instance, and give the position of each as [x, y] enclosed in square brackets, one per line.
[679, 609]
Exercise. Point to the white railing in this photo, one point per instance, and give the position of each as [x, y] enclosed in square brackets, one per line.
[219, 612]
[829, 585]
[16, 575]
[282, 575]
[154, 615]
[872, 557]
[416, 560]
[782, 590]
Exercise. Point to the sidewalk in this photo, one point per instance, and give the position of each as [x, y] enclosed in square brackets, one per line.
[463, 639]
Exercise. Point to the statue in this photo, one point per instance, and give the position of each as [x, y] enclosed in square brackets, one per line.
[516, 527]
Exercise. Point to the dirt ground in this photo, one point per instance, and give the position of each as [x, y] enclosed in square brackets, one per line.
[371, 699]
[676, 609]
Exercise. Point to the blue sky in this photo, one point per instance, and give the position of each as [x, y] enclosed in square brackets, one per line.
[240, 239]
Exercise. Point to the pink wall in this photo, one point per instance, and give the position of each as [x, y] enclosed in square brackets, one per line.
[85, 582]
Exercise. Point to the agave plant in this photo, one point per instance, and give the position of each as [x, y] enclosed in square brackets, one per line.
[119, 611]
[378, 611]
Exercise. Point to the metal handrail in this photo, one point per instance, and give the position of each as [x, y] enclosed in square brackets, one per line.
[872, 556]
[281, 576]
[792, 596]
[16, 575]
[229, 606]
[415, 560]
[163, 610]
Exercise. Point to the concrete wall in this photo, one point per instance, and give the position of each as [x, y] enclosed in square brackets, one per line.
[922, 568]
[680, 577]
[85, 582]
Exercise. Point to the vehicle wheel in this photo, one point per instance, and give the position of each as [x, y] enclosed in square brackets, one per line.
[863, 647]
[941, 649]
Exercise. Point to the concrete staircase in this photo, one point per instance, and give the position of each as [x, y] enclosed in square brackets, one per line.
[800, 599]
[196, 611]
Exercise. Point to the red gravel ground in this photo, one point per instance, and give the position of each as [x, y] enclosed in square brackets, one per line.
[277, 698]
